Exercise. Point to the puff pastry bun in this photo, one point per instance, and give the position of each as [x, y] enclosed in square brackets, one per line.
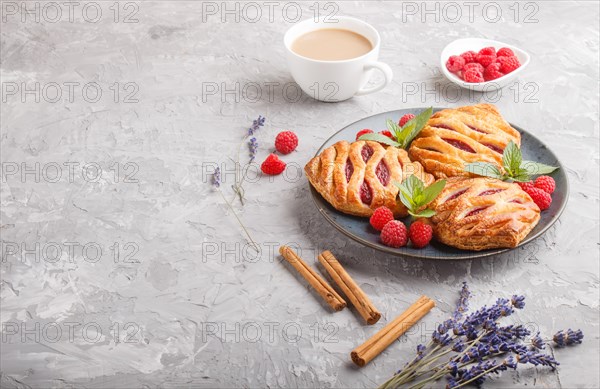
[454, 137]
[358, 177]
[482, 213]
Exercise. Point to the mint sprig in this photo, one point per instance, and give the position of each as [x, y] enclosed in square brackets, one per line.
[405, 134]
[414, 195]
[515, 168]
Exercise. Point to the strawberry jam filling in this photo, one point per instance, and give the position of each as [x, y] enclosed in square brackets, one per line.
[493, 147]
[516, 201]
[349, 169]
[489, 192]
[366, 196]
[475, 211]
[383, 173]
[457, 194]
[459, 144]
[477, 129]
[366, 152]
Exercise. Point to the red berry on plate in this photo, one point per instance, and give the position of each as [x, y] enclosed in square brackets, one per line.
[508, 64]
[363, 132]
[492, 72]
[381, 217]
[286, 142]
[526, 186]
[404, 119]
[541, 198]
[473, 75]
[505, 52]
[486, 60]
[272, 165]
[388, 134]
[455, 63]
[488, 51]
[394, 234]
[420, 234]
[469, 56]
[474, 65]
[545, 183]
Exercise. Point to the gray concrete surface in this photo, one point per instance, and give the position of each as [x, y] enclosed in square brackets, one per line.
[142, 278]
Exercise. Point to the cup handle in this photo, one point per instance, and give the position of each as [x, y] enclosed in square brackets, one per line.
[387, 73]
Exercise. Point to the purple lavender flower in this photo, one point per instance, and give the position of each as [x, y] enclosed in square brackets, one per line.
[537, 342]
[253, 146]
[217, 177]
[518, 301]
[537, 359]
[256, 124]
[569, 338]
[463, 302]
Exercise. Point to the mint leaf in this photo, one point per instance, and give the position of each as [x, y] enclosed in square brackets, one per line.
[512, 158]
[485, 169]
[394, 128]
[432, 191]
[423, 213]
[411, 129]
[379, 138]
[414, 195]
[536, 168]
[419, 122]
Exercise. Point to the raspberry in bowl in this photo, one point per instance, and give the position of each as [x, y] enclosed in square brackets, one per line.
[485, 65]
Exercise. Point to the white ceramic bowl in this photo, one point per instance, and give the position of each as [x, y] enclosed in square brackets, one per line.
[459, 46]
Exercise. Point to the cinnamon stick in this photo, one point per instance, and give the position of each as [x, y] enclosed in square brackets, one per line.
[355, 294]
[325, 290]
[364, 353]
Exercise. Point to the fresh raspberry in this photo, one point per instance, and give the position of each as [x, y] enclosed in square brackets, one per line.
[473, 75]
[272, 165]
[363, 132]
[488, 51]
[505, 52]
[394, 234]
[526, 186]
[286, 142]
[540, 197]
[388, 134]
[474, 65]
[420, 234]
[469, 56]
[545, 183]
[381, 217]
[455, 63]
[492, 72]
[404, 119]
[486, 60]
[508, 64]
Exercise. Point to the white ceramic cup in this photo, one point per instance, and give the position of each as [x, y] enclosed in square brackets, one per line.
[336, 80]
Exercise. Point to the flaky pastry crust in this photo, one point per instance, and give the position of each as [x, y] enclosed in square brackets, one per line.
[357, 178]
[453, 138]
[482, 213]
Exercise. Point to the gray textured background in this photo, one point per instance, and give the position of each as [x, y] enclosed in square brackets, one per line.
[192, 307]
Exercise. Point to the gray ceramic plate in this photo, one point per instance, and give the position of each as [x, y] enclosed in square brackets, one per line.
[361, 231]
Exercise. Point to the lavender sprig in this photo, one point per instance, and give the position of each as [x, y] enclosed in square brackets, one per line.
[568, 338]
[252, 150]
[216, 178]
[477, 345]
[463, 302]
